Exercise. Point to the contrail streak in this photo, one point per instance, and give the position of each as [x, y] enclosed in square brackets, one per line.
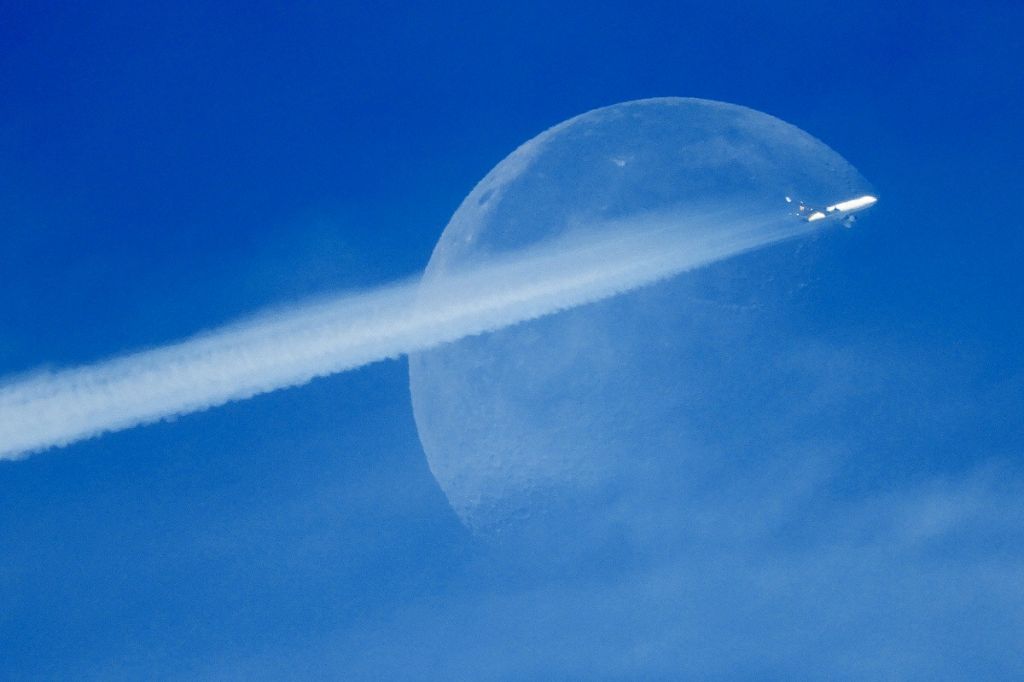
[294, 346]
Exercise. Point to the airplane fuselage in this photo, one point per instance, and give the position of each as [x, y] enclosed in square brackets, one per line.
[843, 211]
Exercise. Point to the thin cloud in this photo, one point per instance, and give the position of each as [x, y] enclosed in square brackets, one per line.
[294, 346]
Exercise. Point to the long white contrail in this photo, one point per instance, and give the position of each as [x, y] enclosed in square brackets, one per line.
[294, 346]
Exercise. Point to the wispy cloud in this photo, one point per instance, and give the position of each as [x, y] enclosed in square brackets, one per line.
[864, 598]
[293, 346]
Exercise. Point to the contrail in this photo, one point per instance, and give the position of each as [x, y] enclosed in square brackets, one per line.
[294, 346]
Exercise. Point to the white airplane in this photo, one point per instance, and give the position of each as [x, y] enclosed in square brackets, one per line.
[843, 211]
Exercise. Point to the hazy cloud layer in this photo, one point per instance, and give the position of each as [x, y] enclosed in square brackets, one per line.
[786, 570]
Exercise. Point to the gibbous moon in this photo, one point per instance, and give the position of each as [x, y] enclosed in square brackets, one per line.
[621, 409]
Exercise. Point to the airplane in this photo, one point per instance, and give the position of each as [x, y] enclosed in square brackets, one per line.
[843, 211]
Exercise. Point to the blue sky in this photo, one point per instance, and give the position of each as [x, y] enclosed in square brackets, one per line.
[163, 171]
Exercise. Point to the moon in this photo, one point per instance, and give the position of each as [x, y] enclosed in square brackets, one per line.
[634, 407]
